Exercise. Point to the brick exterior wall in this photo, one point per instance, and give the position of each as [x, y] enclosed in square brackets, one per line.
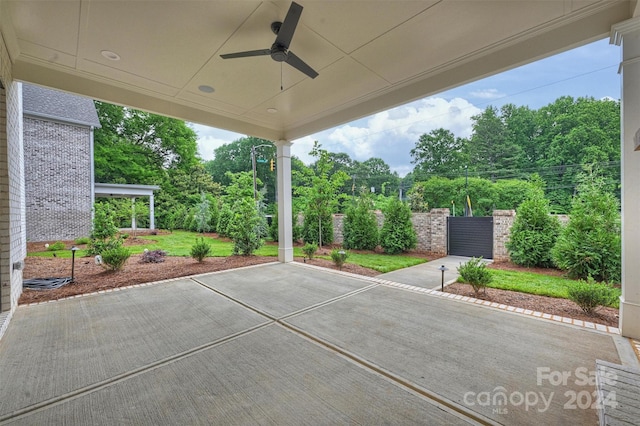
[502, 223]
[12, 215]
[57, 180]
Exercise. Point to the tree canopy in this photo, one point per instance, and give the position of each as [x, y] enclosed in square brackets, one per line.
[515, 142]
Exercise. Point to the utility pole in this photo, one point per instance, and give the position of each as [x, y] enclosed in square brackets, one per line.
[253, 166]
[466, 190]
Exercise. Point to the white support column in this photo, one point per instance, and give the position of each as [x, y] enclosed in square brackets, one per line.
[627, 34]
[285, 214]
[133, 213]
[152, 218]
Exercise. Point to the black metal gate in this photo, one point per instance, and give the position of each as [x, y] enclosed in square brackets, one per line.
[470, 236]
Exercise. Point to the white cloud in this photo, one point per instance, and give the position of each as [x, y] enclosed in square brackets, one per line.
[392, 134]
[487, 94]
[210, 138]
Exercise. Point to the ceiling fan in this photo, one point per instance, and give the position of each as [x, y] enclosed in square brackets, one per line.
[279, 50]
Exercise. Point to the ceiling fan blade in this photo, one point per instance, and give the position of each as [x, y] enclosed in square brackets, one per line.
[288, 27]
[246, 54]
[300, 65]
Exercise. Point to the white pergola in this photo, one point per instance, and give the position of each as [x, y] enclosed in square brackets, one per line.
[164, 57]
[112, 190]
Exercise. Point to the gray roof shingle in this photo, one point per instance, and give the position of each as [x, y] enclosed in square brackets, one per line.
[53, 104]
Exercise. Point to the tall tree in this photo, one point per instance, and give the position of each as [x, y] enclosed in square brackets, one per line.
[574, 133]
[438, 153]
[235, 157]
[375, 173]
[491, 150]
[137, 147]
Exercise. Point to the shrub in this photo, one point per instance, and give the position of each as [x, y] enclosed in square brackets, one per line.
[590, 244]
[295, 228]
[98, 246]
[58, 245]
[200, 249]
[103, 222]
[82, 240]
[273, 228]
[103, 235]
[310, 249]
[360, 226]
[339, 256]
[475, 273]
[245, 227]
[224, 218]
[311, 227]
[534, 233]
[589, 295]
[115, 258]
[153, 256]
[397, 234]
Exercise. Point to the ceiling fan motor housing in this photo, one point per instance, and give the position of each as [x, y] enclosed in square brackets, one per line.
[278, 53]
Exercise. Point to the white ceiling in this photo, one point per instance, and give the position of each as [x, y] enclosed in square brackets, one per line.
[371, 54]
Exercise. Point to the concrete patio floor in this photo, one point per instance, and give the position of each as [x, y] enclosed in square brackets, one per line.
[292, 344]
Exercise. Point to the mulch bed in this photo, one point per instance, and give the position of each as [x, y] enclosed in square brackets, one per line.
[549, 305]
[90, 278]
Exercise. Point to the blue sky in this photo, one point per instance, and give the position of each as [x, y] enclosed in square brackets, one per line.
[590, 70]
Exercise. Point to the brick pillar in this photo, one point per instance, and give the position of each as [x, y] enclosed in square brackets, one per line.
[422, 225]
[439, 230]
[338, 234]
[502, 223]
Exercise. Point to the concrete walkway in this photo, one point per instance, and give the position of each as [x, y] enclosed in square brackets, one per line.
[427, 275]
[290, 344]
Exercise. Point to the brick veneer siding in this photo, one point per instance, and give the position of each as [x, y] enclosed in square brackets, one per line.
[12, 215]
[57, 180]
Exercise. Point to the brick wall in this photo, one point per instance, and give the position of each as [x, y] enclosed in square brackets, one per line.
[57, 180]
[431, 229]
[12, 214]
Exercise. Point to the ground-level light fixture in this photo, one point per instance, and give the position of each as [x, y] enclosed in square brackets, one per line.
[443, 269]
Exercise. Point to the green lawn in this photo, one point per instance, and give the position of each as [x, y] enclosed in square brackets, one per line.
[532, 283]
[178, 243]
[381, 262]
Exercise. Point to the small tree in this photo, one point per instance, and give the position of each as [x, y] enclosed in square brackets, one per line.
[590, 244]
[339, 256]
[321, 197]
[245, 227]
[200, 250]
[202, 215]
[534, 232]
[397, 234]
[103, 235]
[224, 218]
[360, 226]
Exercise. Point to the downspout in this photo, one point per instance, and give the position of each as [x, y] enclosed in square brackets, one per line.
[92, 172]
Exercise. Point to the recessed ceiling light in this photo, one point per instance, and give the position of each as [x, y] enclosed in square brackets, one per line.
[112, 56]
[206, 89]
[272, 110]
